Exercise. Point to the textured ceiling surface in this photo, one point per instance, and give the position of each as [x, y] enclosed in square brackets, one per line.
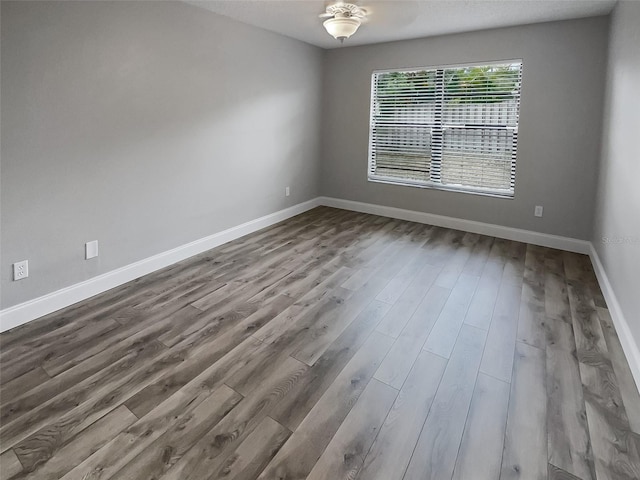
[401, 19]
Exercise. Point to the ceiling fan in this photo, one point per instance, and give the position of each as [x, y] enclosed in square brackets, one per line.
[343, 19]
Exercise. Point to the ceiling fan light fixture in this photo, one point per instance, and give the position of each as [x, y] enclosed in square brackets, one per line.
[341, 27]
[343, 19]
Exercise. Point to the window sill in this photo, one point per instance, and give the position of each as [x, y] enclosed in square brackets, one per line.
[508, 195]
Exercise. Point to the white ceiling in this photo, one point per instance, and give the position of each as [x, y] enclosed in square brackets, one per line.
[401, 19]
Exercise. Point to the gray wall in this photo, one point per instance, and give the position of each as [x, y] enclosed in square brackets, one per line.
[560, 123]
[144, 125]
[616, 235]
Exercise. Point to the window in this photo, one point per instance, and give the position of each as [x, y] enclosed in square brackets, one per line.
[450, 127]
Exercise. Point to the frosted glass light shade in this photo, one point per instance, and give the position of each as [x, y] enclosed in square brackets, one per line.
[341, 27]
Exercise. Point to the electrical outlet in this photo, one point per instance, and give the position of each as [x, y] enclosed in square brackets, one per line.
[286, 191]
[20, 270]
[538, 211]
[91, 249]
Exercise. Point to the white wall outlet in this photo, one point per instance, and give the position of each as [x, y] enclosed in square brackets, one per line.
[286, 191]
[91, 249]
[20, 270]
[538, 211]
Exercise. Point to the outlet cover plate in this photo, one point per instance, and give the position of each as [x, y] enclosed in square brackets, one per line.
[20, 270]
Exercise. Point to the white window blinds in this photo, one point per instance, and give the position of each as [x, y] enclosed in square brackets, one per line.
[449, 127]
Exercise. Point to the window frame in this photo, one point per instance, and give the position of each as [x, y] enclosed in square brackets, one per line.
[473, 190]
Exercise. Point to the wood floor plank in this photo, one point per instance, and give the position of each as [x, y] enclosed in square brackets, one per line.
[300, 453]
[10, 466]
[483, 302]
[209, 453]
[479, 256]
[78, 449]
[125, 446]
[396, 287]
[203, 351]
[435, 453]
[555, 287]
[615, 449]
[599, 380]
[82, 404]
[46, 330]
[514, 266]
[165, 451]
[555, 473]
[444, 243]
[114, 360]
[579, 268]
[391, 452]
[456, 262]
[160, 321]
[20, 364]
[532, 319]
[497, 359]
[396, 366]
[55, 434]
[480, 454]
[313, 301]
[344, 456]
[569, 445]
[22, 384]
[292, 410]
[628, 389]
[525, 442]
[405, 306]
[250, 458]
[325, 329]
[442, 338]
[268, 358]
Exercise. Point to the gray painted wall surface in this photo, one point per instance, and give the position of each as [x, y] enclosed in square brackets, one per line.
[617, 221]
[560, 123]
[144, 125]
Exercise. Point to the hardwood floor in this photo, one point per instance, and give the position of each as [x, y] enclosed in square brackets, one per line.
[335, 345]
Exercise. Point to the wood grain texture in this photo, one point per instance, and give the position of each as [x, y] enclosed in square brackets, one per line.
[250, 458]
[81, 447]
[497, 359]
[436, 450]
[569, 444]
[390, 454]
[442, 337]
[556, 473]
[346, 451]
[406, 348]
[628, 389]
[300, 453]
[480, 454]
[525, 451]
[10, 466]
[332, 345]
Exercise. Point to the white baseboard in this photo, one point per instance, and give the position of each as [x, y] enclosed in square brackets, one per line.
[629, 346]
[517, 234]
[25, 312]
